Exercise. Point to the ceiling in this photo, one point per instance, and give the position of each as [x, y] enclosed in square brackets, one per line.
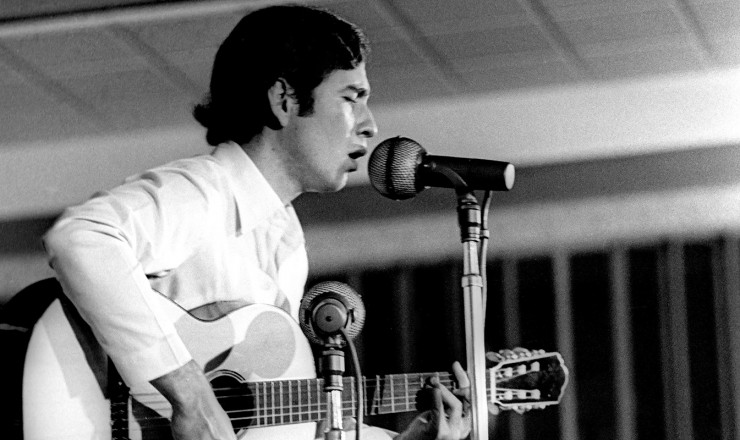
[91, 67]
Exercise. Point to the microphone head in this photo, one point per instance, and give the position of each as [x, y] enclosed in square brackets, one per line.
[323, 304]
[393, 166]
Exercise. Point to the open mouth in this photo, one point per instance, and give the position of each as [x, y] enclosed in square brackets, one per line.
[357, 154]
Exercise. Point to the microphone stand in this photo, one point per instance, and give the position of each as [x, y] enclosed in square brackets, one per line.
[469, 219]
[332, 368]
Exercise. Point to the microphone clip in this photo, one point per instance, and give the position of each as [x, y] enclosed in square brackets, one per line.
[469, 218]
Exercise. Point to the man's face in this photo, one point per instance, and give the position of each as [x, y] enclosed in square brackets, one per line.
[323, 147]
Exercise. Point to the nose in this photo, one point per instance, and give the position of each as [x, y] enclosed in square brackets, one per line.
[367, 127]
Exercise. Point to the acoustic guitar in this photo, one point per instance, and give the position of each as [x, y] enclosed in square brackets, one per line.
[71, 390]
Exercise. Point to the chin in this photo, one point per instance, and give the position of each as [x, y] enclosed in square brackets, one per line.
[330, 186]
[337, 187]
[338, 184]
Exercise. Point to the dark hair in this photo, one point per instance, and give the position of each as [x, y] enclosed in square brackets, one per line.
[299, 44]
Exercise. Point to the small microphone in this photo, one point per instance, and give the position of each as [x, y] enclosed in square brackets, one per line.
[399, 168]
[327, 308]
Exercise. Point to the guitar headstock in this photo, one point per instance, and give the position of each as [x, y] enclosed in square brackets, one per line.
[523, 380]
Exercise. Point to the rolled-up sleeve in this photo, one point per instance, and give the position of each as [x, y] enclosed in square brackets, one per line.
[103, 250]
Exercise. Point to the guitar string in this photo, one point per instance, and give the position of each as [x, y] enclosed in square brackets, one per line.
[283, 409]
[162, 404]
[269, 418]
[152, 399]
[395, 383]
[274, 415]
[300, 408]
[156, 397]
[276, 412]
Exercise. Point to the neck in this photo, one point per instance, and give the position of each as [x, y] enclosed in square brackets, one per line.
[266, 157]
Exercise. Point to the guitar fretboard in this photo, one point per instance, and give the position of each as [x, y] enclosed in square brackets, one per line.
[304, 400]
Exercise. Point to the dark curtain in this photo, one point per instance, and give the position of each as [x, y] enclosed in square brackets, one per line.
[653, 371]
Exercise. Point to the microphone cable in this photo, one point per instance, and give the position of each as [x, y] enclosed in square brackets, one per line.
[359, 389]
[484, 236]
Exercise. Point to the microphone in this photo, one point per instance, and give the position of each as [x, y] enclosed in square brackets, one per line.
[400, 168]
[327, 308]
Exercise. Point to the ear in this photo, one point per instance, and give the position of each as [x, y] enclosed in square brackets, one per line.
[282, 102]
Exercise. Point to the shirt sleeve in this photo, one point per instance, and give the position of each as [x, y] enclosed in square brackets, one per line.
[103, 250]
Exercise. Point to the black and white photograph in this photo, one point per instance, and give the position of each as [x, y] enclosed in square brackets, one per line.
[370, 219]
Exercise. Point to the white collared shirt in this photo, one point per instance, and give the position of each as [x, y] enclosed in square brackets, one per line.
[197, 230]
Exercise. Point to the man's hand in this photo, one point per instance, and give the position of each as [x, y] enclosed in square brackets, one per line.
[449, 418]
[196, 414]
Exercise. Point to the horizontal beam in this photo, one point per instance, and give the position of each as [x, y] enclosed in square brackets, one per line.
[96, 18]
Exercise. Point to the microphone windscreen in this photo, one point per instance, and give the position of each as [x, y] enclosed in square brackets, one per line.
[393, 166]
[335, 290]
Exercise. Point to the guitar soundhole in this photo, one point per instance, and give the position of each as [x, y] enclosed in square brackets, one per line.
[237, 400]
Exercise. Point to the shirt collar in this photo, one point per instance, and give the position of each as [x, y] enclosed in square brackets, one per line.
[256, 200]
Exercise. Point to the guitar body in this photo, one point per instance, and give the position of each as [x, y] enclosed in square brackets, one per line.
[66, 375]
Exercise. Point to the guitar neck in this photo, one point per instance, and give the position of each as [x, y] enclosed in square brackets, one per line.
[518, 384]
[395, 393]
[298, 401]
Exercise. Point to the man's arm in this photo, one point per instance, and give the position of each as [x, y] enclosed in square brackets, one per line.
[102, 251]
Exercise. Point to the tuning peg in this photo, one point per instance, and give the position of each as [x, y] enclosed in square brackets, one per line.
[508, 354]
[516, 353]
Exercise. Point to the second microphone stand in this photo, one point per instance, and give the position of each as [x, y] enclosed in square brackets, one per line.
[332, 369]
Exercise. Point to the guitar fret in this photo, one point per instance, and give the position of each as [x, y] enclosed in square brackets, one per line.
[258, 399]
[376, 396]
[269, 409]
[281, 406]
[308, 392]
[287, 408]
[311, 398]
[363, 381]
[393, 394]
[406, 390]
[263, 407]
[300, 403]
[290, 403]
[272, 400]
[318, 399]
[352, 397]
